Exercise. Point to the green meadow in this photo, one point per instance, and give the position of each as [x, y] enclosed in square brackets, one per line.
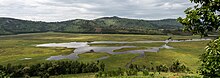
[186, 52]
[14, 48]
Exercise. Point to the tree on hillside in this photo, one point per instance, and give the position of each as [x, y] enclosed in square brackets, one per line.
[204, 17]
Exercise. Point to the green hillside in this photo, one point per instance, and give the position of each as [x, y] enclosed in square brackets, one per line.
[100, 25]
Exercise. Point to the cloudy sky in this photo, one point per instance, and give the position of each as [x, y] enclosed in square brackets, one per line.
[59, 10]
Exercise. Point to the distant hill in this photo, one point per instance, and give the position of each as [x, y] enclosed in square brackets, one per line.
[100, 25]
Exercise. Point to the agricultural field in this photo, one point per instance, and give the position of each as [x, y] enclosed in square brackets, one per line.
[21, 49]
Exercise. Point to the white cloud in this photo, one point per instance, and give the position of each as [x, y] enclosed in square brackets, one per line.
[58, 10]
[170, 5]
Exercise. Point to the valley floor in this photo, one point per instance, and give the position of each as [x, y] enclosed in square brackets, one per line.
[21, 49]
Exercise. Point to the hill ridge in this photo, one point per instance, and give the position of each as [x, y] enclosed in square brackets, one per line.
[100, 25]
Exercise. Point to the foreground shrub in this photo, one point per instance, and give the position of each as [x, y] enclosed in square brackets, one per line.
[162, 68]
[145, 72]
[131, 72]
[112, 73]
[178, 67]
[49, 68]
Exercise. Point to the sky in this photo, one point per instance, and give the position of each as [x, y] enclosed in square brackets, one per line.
[60, 10]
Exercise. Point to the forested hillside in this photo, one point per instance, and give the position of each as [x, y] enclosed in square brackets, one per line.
[100, 25]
